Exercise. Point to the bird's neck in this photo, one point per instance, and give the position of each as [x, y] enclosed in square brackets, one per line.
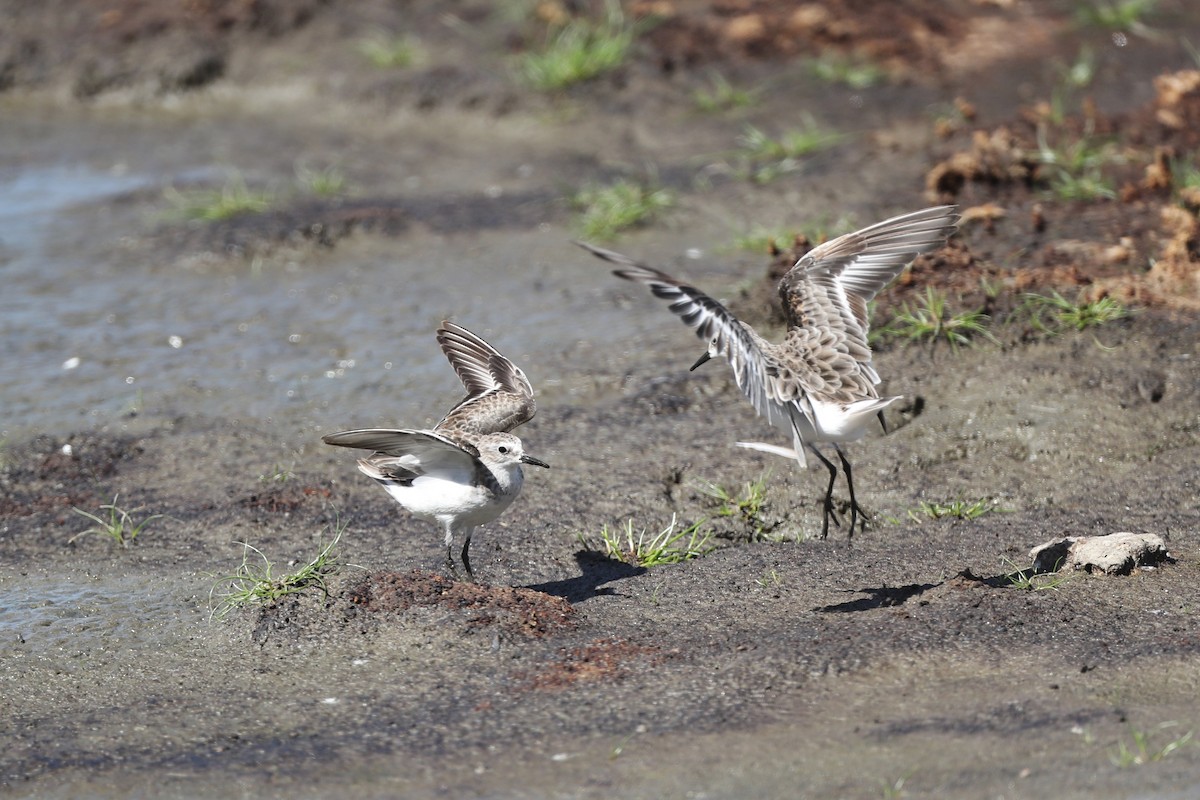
[500, 478]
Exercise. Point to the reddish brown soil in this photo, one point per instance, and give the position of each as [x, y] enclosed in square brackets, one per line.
[520, 611]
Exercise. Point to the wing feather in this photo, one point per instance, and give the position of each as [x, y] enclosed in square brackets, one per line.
[746, 352]
[424, 445]
[499, 396]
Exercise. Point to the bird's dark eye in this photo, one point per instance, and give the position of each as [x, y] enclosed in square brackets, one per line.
[503, 449]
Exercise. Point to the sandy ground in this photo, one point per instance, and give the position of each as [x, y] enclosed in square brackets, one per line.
[908, 662]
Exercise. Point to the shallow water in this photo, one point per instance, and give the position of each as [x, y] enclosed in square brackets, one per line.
[72, 615]
[97, 333]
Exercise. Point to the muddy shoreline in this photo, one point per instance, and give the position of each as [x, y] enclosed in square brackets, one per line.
[188, 369]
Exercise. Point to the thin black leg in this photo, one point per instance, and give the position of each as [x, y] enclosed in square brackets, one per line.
[882, 422]
[856, 512]
[466, 558]
[828, 491]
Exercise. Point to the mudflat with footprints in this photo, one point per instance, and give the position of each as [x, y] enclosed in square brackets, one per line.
[226, 235]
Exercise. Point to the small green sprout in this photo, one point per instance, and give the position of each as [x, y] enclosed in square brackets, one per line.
[1030, 581]
[1072, 78]
[769, 579]
[386, 51]
[892, 790]
[1141, 751]
[747, 505]
[1185, 174]
[1076, 170]
[720, 95]
[278, 474]
[119, 525]
[605, 211]
[760, 239]
[856, 73]
[328, 182]
[762, 158]
[792, 144]
[1115, 15]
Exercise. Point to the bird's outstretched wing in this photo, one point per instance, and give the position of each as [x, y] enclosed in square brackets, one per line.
[416, 452]
[499, 396]
[851, 269]
[727, 335]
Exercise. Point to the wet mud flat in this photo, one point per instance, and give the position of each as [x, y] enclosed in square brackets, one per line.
[911, 650]
[915, 660]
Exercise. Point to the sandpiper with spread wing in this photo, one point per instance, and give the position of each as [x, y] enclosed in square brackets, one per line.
[819, 382]
[467, 470]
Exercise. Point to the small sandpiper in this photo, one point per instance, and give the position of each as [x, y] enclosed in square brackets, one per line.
[819, 382]
[467, 470]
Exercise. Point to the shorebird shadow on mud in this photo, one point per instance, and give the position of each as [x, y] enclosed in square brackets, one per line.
[881, 597]
[596, 569]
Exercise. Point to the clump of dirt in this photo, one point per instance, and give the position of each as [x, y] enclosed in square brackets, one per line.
[601, 661]
[1003, 178]
[1012, 168]
[516, 610]
[1176, 110]
[996, 157]
[903, 37]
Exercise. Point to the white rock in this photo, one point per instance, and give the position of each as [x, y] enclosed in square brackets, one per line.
[1114, 554]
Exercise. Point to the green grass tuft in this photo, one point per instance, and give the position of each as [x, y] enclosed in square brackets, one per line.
[252, 581]
[328, 182]
[795, 143]
[760, 239]
[762, 159]
[1076, 170]
[769, 579]
[1142, 751]
[386, 51]
[671, 545]
[1184, 174]
[211, 205]
[1053, 313]
[605, 211]
[748, 505]
[579, 51]
[931, 321]
[894, 789]
[815, 231]
[856, 73]
[119, 524]
[278, 474]
[721, 95]
[958, 509]
[1115, 15]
